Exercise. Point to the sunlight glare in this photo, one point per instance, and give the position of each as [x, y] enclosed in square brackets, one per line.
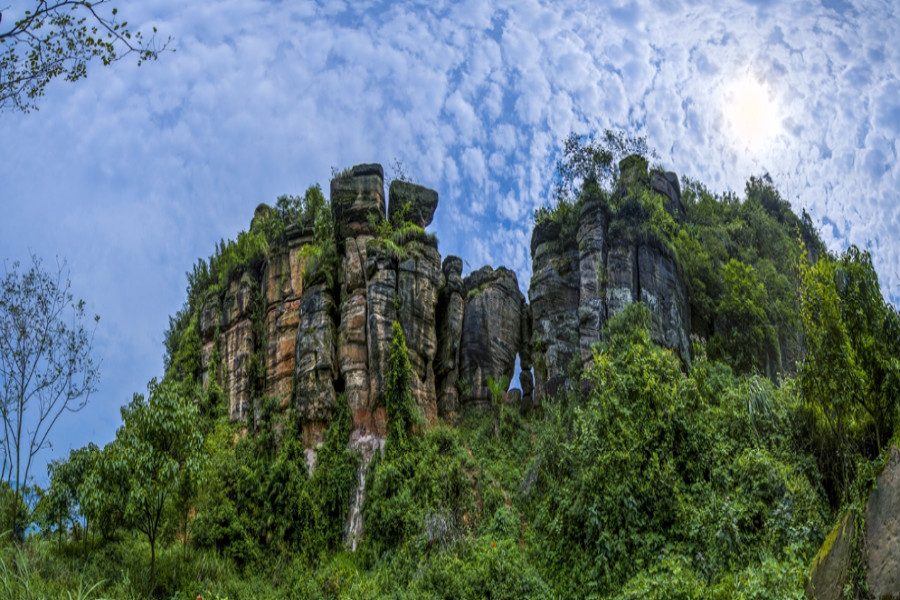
[752, 113]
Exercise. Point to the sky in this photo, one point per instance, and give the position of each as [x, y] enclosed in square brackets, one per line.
[133, 173]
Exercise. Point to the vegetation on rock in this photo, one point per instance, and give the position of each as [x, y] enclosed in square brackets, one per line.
[641, 475]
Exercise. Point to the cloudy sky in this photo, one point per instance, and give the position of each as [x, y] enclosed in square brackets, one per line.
[134, 173]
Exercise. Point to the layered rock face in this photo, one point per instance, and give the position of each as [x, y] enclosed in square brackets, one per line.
[319, 341]
[357, 205]
[586, 272]
[493, 331]
[227, 330]
[307, 345]
[450, 311]
[554, 294]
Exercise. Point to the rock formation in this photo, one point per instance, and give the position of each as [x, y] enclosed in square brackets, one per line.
[310, 338]
[449, 320]
[588, 270]
[880, 552]
[492, 330]
[308, 343]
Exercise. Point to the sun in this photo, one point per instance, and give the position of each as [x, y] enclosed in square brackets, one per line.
[752, 114]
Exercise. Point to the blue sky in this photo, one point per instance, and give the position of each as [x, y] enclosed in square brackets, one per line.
[134, 173]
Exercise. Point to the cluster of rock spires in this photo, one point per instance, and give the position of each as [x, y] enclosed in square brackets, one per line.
[579, 281]
[332, 338]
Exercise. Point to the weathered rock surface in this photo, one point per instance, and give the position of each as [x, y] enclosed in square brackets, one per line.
[381, 269]
[883, 532]
[553, 295]
[449, 321]
[357, 203]
[282, 290]
[419, 281]
[831, 568]
[236, 345]
[621, 276]
[492, 329]
[210, 319]
[318, 342]
[591, 239]
[315, 366]
[584, 276]
[663, 290]
[357, 196]
[417, 202]
[667, 185]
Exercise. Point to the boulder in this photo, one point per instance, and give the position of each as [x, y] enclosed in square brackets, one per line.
[883, 532]
[831, 568]
[416, 203]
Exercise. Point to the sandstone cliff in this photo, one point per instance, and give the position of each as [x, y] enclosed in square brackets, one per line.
[309, 344]
[586, 270]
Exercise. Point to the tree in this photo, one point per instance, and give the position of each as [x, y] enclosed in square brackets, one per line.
[162, 449]
[744, 333]
[60, 505]
[58, 38]
[497, 388]
[594, 158]
[46, 367]
[850, 377]
[398, 400]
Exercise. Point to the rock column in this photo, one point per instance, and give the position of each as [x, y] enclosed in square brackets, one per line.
[357, 203]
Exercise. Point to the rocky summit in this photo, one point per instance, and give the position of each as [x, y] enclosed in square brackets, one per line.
[332, 337]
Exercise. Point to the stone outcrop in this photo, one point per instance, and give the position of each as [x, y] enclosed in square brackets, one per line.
[282, 291]
[880, 549]
[357, 205]
[554, 297]
[419, 281]
[589, 270]
[492, 330]
[309, 344]
[315, 364]
[449, 321]
[356, 196]
[236, 343]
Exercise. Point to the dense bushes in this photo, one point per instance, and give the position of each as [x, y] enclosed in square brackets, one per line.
[651, 469]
